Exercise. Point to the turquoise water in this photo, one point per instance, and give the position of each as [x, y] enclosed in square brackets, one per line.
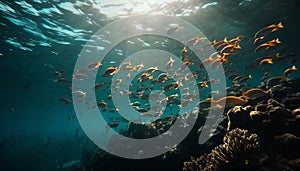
[38, 38]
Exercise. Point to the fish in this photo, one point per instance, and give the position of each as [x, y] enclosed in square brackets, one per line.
[229, 101]
[102, 104]
[98, 85]
[174, 28]
[219, 61]
[186, 64]
[219, 44]
[95, 65]
[266, 60]
[231, 47]
[110, 71]
[254, 93]
[66, 100]
[62, 80]
[58, 73]
[232, 76]
[184, 50]
[113, 124]
[289, 70]
[79, 76]
[265, 77]
[69, 164]
[170, 63]
[185, 102]
[236, 39]
[272, 27]
[275, 80]
[126, 66]
[145, 76]
[138, 67]
[245, 78]
[135, 104]
[174, 85]
[203, 84]
[79, 95]
[242, 77]
[279, 79]
[195, 40]
[258, 39]
[152, 69]
[268, 44]
[163, 77]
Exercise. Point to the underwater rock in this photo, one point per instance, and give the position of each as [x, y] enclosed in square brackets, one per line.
[256, 115]
[291, 102]
[295, 163]
[239, 117]
[278, 116]
[287, 145]
[261, 107]
[279, 90]
[272, 103]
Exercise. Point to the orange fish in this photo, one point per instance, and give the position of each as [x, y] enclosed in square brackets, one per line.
[170, 62]
[174, 28]
[276, 80]
[95, 65]
[272, 27]
[203, 84]
[243, 78]
[231, 47]
[289, 70]
[266, 60]
[268, 44]
[194, 41]
[138, 67]
[218, 44]
[254, 93]
[258, 39]
[184, 50]
[236, 39]
[229, 101]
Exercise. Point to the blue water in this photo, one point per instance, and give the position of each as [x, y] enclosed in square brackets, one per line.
[39, 37]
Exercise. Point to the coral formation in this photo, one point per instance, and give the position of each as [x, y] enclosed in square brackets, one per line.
[234, 153]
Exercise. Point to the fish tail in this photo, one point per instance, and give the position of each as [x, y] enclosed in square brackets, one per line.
[256, 34]
[257, 48]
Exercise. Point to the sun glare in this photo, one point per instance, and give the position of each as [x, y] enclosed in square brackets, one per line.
[119, 8]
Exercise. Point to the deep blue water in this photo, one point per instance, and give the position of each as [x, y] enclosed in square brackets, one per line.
[38, 37]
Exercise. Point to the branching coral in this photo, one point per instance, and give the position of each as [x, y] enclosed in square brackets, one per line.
[234, 153]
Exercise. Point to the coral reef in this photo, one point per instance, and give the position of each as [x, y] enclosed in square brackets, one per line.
[233, 154]
[275, 119]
